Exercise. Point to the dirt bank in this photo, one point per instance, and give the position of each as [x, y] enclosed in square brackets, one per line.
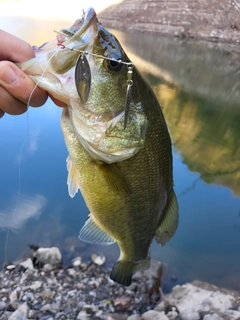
[216, 20]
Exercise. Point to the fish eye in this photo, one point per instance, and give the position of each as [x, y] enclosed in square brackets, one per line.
[113, 65]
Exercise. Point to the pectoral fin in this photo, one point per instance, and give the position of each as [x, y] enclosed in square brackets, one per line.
[91, 233]
[72, 180]
[169, 224]
[114, 178]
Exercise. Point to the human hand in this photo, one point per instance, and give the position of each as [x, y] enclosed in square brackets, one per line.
[15, 85]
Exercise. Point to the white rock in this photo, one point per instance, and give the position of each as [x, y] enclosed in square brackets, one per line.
[48, 267]
[46, 307]
[51, 255]
[27, 264]
[21, 313]
[11, 267]
[195, 299]
[98, 260]
[71, 293]
[134, 317]
[160, 307]
[36, 285]
[172, 315]
[76, 262]
[154, 315]
[189, 314]
[71, 272]
[212, 317]
[82, 315]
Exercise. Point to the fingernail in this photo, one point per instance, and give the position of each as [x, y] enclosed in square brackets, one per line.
[8, 77]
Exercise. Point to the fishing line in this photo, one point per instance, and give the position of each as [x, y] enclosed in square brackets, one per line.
[20, 154]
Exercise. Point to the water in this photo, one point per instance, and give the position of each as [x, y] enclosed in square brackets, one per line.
[198, 87]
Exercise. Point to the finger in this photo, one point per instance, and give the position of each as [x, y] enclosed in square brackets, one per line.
[14, 49]
[58, 102]
[20, 86]
[1, 113]
[9, 104]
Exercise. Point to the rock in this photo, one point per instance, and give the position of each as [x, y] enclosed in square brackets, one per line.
[76, 262]
[154, 315]
[15, 294]
[36, 285]
[46, 307]
[82, 315]
[48, 267]
[160, 306]
[21, 313]
[27, 264]
[98, 260]
[189, 314]
[173, 315]
[2, 305]
[122, 303]
[212, 317]
[192, 301]
[90, 308]
[28, 296]
[11, 267]
[134, 317]
[51, 255]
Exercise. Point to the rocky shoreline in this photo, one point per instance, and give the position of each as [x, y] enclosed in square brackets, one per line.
[40, 288]
[215, 20]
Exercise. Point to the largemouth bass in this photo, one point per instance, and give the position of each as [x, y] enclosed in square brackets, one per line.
[119, 146]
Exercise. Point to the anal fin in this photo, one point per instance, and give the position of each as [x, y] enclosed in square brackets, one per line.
[169, 224]
[91, 233]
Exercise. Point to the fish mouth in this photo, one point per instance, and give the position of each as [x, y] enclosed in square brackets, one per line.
[82, 32]
[52, 67]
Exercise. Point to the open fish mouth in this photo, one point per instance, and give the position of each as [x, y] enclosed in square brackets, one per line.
[81, 32]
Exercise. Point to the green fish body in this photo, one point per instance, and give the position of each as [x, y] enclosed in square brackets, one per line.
[119, 147]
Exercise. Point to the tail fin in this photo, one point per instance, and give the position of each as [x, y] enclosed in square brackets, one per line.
[122, 272]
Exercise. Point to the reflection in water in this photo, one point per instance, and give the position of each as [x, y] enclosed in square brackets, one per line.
[206, 133]
[200, 104]
[27, 208]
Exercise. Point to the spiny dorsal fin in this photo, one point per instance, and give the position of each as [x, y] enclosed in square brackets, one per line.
[72, 180]
[91, 233]
[169, 224]
[114, 178]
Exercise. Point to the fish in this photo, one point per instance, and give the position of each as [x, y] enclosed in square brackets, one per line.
[120, 150]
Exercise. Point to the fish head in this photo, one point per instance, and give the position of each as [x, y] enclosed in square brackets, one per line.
[53, 68]
[86, 68]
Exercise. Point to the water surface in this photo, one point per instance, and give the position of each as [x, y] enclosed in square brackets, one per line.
[198, 87]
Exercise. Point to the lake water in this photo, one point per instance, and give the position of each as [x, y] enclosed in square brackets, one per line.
[198, 86]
